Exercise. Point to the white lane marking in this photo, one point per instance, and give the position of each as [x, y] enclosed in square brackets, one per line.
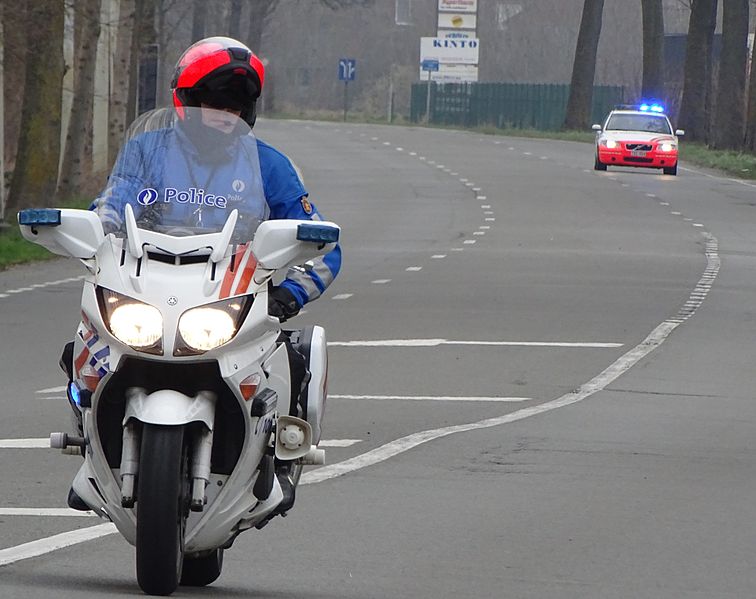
[697, 225]
[429, 398]
[438, 256]
[463, 180]
[458, 249]
[490, 220]
[25, 443]
[676, 213]
[380, 281]
[45, 512]
[52, 389]
[469, 241]
[414, 268]
[380, 454]
[484, 227]
[479, 232]
[596, 384]
[400, 149]
[690, 170]
[481, 197]
[484, 206]
[650, 195]
[386, 143]
[663, 203]
[413, 153]
[469, 184]
[48, 544]
[342, 296]
[476, 188]
[338, 442]
[437, 342]
[40, 285]
[528, 153]
[488, 212]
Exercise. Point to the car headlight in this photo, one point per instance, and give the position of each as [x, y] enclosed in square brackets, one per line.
[135, 323]
[609, 143]
[207, 327]
[668, 146]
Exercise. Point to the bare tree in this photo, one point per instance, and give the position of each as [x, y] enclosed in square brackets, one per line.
[729, 115]
[119, 93]
[750, 135]
[584, 66]
[199, 20]
[696, 99]
[36, 172]
[77, 155]
[653, 50]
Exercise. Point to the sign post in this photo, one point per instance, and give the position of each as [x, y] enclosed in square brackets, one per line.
[347, 73]
[430, 66]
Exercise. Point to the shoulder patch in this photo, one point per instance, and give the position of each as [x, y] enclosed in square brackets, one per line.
[306, 206]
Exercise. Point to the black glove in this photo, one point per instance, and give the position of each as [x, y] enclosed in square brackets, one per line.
[282, 304]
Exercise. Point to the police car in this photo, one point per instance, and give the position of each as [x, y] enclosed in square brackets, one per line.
[637, 136]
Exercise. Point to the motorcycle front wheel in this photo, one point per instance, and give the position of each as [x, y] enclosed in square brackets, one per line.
[162, 509]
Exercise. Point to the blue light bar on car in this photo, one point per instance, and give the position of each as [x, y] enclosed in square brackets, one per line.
[652, 108]
[39, 217]
[317, 233]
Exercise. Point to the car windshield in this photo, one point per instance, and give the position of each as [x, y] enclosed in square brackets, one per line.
[638, 122]
[184, 171]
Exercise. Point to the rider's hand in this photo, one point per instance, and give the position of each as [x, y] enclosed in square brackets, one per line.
[282, 304]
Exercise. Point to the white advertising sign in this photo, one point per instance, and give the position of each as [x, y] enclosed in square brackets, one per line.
[449, 50]
[459, 34]
[452, 73]
[456, 21]
[458, 5]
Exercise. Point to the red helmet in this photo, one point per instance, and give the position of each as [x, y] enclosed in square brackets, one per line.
[221, 72]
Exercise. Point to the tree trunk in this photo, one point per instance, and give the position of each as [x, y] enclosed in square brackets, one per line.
[143, 36]
[234, 19]
[36, 172]
[119, 93]
[259, 11]
[729, 115]
[696, 99]
[652, 87]
[750, 135]
[199, 19]
[584, 66]
[77, 155]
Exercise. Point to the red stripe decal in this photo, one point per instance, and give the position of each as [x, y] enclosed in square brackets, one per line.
[81, 360]
[246, 276]
[233, 267]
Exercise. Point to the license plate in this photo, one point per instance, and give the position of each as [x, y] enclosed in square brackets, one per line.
[638, 153]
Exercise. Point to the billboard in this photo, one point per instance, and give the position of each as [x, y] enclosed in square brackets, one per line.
[452, 73]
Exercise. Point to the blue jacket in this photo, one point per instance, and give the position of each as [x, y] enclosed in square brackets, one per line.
[153, 177]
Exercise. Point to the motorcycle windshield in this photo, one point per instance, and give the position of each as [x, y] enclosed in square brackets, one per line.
[183, 171]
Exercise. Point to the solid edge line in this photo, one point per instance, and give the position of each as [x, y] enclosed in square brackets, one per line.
[46, 545]
[597, 383]
[429, 398]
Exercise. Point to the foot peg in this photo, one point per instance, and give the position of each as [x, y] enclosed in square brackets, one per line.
[69, 444]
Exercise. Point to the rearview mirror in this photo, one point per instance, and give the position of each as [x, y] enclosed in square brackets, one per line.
[596, 127]
[680, 132]
[65, 231]
[281, 243]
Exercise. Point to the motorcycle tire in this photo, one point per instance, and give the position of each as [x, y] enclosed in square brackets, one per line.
[162, 509]
[201, 571]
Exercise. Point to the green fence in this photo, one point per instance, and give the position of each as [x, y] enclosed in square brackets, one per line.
[505, 105]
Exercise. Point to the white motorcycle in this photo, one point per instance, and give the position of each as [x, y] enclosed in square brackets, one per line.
[183, 382]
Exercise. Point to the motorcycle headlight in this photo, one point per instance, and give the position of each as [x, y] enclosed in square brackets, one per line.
[667, 146]
[135, 323]
[207, 327]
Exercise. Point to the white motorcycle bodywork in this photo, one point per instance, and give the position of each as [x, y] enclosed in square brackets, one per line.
[230, 436]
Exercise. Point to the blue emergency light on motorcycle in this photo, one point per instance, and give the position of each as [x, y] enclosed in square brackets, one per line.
[39, 217]
[317, 233]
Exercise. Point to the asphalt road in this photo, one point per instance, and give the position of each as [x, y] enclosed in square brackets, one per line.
[540, 385]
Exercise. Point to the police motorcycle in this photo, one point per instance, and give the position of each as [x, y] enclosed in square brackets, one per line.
[179, 372]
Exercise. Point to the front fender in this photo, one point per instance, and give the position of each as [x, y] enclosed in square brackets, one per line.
[169, 407]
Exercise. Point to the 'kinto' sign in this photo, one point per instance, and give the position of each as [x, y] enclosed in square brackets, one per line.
[449, 51]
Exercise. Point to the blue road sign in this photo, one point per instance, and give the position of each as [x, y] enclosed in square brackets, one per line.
[429, 65]
[347, 69]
